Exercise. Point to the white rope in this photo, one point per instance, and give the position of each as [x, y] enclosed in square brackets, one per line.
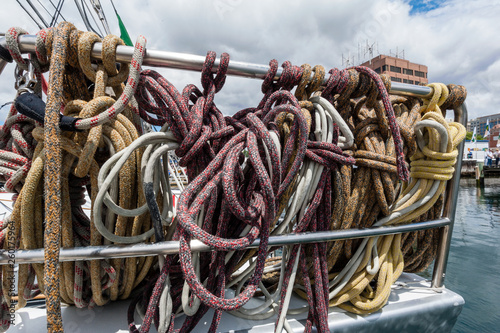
[110, 171]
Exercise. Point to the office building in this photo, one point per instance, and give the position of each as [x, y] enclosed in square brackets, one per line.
[480, 123]
[399, 70]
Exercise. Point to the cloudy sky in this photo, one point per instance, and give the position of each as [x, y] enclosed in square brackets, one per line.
[458, 40]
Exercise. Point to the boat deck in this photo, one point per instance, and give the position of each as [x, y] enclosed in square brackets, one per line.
[412, 307]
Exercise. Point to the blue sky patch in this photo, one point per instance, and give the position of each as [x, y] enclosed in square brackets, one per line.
[424, 6]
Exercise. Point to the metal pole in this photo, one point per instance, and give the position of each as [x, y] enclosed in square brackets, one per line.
[172, 247]
[191, 62]
[449, 209]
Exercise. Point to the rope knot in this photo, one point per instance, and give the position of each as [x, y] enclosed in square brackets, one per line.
[439, 95]
[109, 43]
[438, 151]
[456, 97]
[212, 85]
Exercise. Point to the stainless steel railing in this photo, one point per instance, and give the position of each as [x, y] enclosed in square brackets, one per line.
[191, 62]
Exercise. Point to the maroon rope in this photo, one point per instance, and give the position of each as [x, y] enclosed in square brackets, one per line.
[212, 146]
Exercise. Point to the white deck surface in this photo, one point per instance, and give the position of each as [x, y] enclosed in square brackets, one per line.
[411, 308]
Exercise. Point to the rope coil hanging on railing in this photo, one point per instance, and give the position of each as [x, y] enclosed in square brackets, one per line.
[285, 166]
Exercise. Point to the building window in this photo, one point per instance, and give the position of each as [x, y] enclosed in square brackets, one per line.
[395, 69]
[407, 81]
[385, 68]
[419, 74]
[377, 70]
[407, 71]
[395, 79]
[417, 83]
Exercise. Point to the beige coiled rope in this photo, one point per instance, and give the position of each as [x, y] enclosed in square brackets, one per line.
[430, 168]
[66, 222]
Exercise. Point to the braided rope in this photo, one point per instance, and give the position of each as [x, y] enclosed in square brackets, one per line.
[17, 144]
[52, 177]
[408, 206]
[58, 45]
[241, 122]
[128, 92]
[11, 37]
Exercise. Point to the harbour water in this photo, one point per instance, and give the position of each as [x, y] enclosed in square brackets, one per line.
[474, 261]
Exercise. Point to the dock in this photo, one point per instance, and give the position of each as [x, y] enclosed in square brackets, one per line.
[469, 167]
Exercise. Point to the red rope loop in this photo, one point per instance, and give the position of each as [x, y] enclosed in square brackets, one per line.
[11, 38]
[336, 83]
[268, 84]
[290, 76]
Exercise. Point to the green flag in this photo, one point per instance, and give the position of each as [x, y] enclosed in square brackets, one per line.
[123, 31]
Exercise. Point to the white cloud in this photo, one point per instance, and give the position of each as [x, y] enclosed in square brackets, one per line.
[458, 41]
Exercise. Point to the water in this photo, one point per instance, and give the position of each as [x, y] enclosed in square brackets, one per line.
[474, 261]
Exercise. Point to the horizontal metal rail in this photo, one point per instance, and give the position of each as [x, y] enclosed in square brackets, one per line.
[191, 62]
[172, 247]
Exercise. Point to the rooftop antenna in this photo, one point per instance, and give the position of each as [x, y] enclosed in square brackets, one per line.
[368, 49]
[359, 54]
[346, 61]
[397, 54]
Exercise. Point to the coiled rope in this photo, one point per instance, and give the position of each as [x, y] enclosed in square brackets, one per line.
[66, 215]
[284, 166]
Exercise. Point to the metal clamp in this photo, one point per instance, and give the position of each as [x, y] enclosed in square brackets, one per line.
[25, 80]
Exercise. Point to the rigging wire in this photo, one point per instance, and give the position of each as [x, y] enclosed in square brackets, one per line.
[29, 14]
[93, 17]
[37, 13]
[53, 16]
[5, 104]
[100, 13]
[56, 14]
[52, 3]
[45, 8]
[85, 19]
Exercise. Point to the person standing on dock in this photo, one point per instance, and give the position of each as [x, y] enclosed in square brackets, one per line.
[489, 158]
[496, 154]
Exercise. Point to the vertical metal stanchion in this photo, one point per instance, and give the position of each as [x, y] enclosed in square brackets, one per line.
[449, 210]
